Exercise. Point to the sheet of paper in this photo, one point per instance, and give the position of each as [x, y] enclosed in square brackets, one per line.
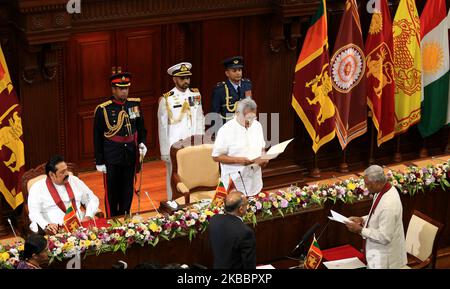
[338, 217]
[254, 154]
[265, 267]
[276, 150]
[349, 263]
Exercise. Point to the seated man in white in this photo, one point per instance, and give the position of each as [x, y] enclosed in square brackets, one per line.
[50, 197]
[238, 140]
[382, 229]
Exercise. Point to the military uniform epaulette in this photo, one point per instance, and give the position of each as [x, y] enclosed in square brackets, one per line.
[167, 94]
[137, 99]
[102, 105]
[194, 89]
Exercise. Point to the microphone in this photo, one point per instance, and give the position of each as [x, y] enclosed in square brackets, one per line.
[243, 184]
[323, 230]
[12, 228]
[146, 193]
[307, 235]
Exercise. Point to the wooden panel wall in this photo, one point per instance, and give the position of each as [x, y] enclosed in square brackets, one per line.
[81, 50]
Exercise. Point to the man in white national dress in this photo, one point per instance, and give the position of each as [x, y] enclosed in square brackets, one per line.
[238, 144]
[382, 229]
[50, 197]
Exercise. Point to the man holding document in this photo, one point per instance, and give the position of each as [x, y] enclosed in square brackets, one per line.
[239, 146]
[382, 229]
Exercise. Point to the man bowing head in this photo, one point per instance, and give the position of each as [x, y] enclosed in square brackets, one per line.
[382, 229]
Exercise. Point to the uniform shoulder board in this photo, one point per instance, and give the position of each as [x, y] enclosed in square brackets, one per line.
[220, 83]
[137, 99]
[167, 94]
[194, 89]
[102, 105]
[246, 80]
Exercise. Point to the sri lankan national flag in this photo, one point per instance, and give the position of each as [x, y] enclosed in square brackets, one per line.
[71, 222]
[312, 96]
[220, 194]
[314, 256]
[407, 65]
[348, 65]
[12, 156]
[380, 73]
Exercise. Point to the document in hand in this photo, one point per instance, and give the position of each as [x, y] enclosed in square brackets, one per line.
[275, 150]
[338, 217]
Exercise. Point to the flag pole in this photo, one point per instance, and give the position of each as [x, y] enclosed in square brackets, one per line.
[343, 166]
[372, 136]
[447, 148]
[398, 154]
[315, 173]
[423, 150]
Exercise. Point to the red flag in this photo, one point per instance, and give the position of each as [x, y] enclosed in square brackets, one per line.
[347, 68]
[231, 185]
[12, 156]
[312, 96]
[380, 73]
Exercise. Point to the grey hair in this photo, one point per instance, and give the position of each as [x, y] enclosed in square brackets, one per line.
[375, 173]
[246, 103]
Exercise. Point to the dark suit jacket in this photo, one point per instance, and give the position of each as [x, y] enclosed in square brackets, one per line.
[233, 243]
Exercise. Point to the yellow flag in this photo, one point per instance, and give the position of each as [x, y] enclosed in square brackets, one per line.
[407, 66]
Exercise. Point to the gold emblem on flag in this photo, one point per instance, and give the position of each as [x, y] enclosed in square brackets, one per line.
[376, 25]
[321, 92]
[408, 78]
[381, 68]
[434, 57]
[10, 138]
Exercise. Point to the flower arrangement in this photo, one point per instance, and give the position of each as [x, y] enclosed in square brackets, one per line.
[195, 219]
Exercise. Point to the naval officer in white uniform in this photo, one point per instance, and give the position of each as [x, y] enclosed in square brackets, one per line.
[180, 115]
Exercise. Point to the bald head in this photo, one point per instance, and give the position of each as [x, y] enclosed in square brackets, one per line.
[236, 203]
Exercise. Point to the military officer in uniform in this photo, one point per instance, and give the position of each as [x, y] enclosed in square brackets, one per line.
[119, 144]
[227, 93]
[180, 115]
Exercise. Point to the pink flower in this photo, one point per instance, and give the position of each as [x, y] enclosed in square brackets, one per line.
[284, 203]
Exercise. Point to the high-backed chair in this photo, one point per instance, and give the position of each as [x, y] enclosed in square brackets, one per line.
[422, 238]
[194, 172]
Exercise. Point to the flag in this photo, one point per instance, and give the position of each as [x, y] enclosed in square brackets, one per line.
[312, 97]
[448, 34]
[435, 67]
[231, 185]
[71, 222]
[314, 256]
[220, 194]
[348, 64]
[12, 155]
[380, 73]
[407, 65]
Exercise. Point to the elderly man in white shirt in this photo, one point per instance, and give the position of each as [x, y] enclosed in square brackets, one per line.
[238, 147]
[382, 229]
[49, 198]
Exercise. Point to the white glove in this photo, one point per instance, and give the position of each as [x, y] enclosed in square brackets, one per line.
[101, 168]
[142, 150]
[165, 158]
